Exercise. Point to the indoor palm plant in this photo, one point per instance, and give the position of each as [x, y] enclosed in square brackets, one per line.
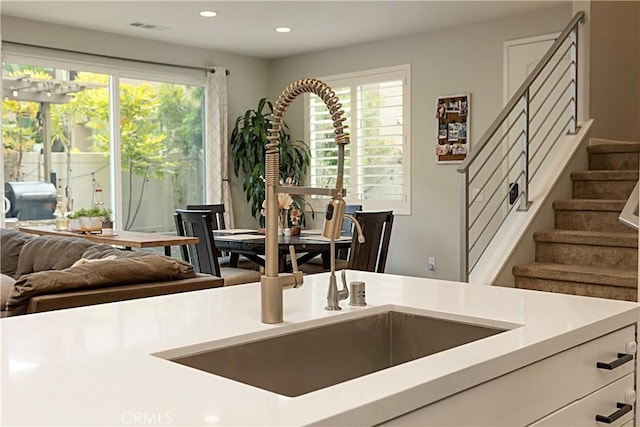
[248, 146]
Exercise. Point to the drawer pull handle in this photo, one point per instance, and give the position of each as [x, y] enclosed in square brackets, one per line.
[621, 360]
[623, 408]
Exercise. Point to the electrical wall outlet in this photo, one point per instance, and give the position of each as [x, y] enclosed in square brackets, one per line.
[431, 263]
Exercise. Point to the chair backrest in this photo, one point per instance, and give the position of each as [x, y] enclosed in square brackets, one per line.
[198, 223]
[347, 229]
[216, 209]
[372, 254]
[347, 225]
[180, 232]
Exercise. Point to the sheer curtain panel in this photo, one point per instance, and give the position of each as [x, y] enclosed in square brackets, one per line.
[217, 175]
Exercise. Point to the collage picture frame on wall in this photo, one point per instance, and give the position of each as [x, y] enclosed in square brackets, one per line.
[453, 116]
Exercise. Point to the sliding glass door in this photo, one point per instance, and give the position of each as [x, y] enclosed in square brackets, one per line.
[162, 151]
[56, 127]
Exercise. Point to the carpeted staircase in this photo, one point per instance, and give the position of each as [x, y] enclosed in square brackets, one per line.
[589, 252]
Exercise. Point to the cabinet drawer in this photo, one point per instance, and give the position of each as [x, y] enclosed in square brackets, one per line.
[605, 350]
[602, 402]
[528, 394]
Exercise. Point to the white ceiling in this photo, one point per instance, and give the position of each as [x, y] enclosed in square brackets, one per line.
[247, 27]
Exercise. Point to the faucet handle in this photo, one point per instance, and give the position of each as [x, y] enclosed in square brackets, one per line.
[296, 275]
[344, 292]
[294, 258]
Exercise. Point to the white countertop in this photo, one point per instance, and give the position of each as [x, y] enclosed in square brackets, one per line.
[94, 365]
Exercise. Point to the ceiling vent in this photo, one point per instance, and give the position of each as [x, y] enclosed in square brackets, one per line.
[148, 26]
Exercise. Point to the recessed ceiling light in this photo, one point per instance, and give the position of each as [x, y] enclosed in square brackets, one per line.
[283, 29]
[208, 13]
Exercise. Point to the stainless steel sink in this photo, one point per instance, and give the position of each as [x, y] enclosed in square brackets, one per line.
[309, 360]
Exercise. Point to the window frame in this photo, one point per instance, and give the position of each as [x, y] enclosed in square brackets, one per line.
[353, 80]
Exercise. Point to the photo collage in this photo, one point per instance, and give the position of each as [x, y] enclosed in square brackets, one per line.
[453, 128]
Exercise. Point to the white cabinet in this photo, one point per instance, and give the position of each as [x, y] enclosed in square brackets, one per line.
[567, 385]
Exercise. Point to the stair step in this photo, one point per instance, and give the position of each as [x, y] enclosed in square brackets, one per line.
[586, 237]
[579, 273]
[611, 283]
[598, 205]
[631, 147]
[605, 175]
[614, 156]
[604, 184]
[590, 214]
[587, 248]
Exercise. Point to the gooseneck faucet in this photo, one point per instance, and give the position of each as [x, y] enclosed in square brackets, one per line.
[273, 284]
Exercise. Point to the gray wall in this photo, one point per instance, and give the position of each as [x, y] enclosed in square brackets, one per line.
[459, 60]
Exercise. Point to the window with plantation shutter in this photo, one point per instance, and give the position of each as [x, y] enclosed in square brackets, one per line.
[376, 106]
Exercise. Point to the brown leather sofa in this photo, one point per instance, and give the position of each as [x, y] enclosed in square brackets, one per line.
[50, 273]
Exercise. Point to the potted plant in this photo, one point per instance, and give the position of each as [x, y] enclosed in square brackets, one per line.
[92, 219]
[74, 219]
[248, 141]
[86, 220]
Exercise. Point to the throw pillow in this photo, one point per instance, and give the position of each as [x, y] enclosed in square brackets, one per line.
[113, 272]
[6, 286]
[87, 261]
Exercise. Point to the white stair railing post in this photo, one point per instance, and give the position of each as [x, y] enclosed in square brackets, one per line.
[524, 160]
[464, 229]
[573, 106]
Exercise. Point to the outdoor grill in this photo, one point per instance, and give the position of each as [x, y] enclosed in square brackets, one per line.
[30, 200]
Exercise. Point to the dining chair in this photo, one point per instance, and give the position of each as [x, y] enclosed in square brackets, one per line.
[203, 255]
[372, 254]
[218, 223]
[218, 211]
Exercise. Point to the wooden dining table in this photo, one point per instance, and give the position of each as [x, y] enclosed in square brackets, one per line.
[251, 245]
[126, 239]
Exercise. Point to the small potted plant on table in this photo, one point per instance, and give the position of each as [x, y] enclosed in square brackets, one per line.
[86, 220]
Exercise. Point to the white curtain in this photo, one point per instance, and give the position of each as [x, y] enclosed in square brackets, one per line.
[217, 140]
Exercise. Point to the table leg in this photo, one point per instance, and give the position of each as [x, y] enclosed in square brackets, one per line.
[234, 258]
[326, 260]
[167, 251]
[282, 263]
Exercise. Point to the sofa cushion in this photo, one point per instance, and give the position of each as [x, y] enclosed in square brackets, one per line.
[6, 285]
[112, 272]
[104, 251]
[11, 242]
[50, 253]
